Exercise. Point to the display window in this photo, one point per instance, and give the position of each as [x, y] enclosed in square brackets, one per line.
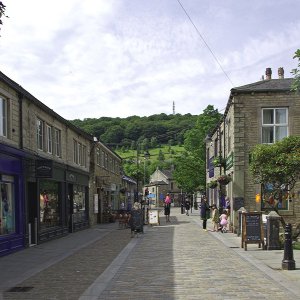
[79, 207]
[7, 206]
[49, 204]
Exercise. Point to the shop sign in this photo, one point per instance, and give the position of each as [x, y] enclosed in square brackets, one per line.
[44, 168]
[229, 161]
[71, 177]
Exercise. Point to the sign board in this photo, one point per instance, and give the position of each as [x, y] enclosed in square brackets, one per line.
[44, 168]
[153, 217]
[252, 231]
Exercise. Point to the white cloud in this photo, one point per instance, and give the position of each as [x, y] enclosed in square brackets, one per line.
[135, 57]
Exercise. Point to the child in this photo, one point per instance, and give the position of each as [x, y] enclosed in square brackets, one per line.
[215, 217]
[223, 221]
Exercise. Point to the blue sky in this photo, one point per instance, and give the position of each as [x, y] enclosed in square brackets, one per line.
[118, 58]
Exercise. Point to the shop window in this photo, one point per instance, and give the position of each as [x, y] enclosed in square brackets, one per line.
[3, 117]
[49, 204]
[79, 208]
[272, 198]
[274, 124]
[7, 207]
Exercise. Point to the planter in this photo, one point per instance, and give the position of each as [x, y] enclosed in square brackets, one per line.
[213, 184]
[219, 161]
[224, 179]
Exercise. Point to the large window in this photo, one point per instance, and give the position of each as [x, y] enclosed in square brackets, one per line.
[79, 208]
[7, 206]
[3, 117]
[79, 153]
[274, 124]
[49, 204]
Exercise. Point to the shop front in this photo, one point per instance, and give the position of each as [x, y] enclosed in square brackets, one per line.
[12, 235]
[77, 200]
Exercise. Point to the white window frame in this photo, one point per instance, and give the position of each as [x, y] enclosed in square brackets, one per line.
[273, 126]
[3, 117]
[49, 137]
[40, 134]
[57, 142]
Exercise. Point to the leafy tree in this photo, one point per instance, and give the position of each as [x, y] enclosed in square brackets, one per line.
[190, 169]
[186, 173]
[2, 12]
[296, 73]
[161, 156]
[277, 165]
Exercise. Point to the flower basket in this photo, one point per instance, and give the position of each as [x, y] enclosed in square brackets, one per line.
[224, 179]
[212, 184]
[219, 161]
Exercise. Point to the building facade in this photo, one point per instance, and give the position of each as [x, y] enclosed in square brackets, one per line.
[261, 112]
[50, 172]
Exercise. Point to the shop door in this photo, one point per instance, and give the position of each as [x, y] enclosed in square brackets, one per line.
[70, 208]
[33, 209]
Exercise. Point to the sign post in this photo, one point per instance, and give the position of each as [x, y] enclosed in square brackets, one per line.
[252, 231]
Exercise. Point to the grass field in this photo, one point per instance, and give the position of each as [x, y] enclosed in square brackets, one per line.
[167, 151]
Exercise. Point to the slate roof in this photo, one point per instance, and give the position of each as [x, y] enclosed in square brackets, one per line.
[266, 86]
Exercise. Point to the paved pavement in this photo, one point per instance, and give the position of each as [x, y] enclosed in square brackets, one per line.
[176, 260]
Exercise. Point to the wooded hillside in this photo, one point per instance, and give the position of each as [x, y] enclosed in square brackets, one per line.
[149, 131]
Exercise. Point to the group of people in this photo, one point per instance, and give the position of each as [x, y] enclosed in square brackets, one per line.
[220, 221]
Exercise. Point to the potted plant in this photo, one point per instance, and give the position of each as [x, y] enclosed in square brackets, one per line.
[219, 161]
[224, 179]
[212, 184]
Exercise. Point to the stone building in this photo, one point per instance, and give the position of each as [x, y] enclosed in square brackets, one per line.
[52, 174]
[261, 112]
[161, 183]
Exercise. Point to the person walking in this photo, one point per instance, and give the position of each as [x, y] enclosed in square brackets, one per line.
[224, 221]
[204, 212]
[167, 207]
[187, 206]
[215, 217]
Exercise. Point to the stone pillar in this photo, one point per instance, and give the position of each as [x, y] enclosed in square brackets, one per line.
[272, 238]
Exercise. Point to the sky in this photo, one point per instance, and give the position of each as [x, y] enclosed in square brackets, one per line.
[119, 58]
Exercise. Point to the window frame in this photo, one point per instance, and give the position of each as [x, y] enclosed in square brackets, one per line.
[274, 125]
[57, 142]
[49, 138]
[3, 116]
[40, 134]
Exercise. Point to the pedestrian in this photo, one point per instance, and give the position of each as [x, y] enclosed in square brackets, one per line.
[167, 207]
[215, 217]
[187, 206]
[204, 212]
[223, 221]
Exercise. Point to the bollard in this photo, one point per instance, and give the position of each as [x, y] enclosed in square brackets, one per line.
[288, 262]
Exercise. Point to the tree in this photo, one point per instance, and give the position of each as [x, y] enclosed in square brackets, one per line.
[2, 12]
[191, 166]
[186, 173]
[277, 168]
[296, 73]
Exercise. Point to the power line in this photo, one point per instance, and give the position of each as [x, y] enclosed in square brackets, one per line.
[210, 50]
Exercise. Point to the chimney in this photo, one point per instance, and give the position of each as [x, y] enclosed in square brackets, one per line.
[268, 73]
[280, 73]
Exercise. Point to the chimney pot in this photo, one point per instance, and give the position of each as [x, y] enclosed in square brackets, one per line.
[268, 73]
[280, 73]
